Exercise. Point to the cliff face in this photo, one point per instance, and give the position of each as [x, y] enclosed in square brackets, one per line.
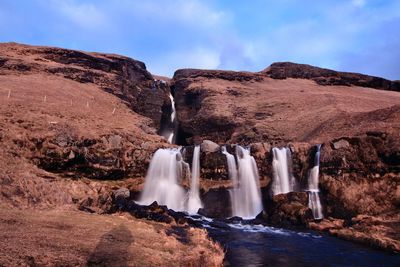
[73, 114]
[240, 107]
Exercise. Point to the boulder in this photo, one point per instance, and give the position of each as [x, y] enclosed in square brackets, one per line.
[342, 143]
[209, 146]
[121, 196]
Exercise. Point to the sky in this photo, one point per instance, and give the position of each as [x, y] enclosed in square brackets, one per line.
[347, 35]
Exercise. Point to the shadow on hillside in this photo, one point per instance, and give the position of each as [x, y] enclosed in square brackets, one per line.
[112, 249]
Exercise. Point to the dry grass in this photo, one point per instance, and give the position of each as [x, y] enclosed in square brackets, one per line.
[63, 237]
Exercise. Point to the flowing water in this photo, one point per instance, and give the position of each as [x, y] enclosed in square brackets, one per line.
[314, 202]
[245, 194]
[194, 202]
[171, 135]
[233, 176]
[258, 245]
[283, 180]
[163, 179]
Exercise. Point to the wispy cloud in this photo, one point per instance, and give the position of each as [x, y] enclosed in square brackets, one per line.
[85, 15]
[351, 35]
[359, 3]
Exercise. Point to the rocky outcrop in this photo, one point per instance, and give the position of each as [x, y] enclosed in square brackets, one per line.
[287, 210]
[217, 203]
[361, 177]
[283, 70]
[244, 108]
[124, 77]
[80, 114]
[111, 157]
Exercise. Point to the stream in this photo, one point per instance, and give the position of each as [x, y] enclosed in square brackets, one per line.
[258, 245]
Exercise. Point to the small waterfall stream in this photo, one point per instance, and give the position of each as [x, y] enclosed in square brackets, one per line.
[233, 176]
[283, 180]
[171, 134]
[245, 194]
[194, 202]
[314, 202]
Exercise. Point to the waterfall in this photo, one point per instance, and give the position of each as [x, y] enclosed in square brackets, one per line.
[314, 202]
[245, 194]
[171, 135]
[233, 176]
[163, 179]
[194, 202]
[283, 180]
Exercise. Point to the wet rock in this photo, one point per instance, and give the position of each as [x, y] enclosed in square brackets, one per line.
[121, 196]
[179, 217]
[217, 203]
[152, 212]
[289, 209]
[234, 219]
[219, 224]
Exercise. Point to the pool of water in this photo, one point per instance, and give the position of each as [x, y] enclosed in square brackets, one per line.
[257, 245]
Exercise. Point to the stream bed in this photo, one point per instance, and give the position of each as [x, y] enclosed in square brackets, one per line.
[258, 245]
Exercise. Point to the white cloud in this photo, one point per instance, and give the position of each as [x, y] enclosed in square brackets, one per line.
[86, 16]
[192, 12]
[359, 3]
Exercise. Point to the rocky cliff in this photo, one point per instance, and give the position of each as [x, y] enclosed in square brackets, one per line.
[74, 114]
[70, 120]
[241, 107]
[283, 70]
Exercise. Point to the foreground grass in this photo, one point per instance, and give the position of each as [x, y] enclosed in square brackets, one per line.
[71, 238]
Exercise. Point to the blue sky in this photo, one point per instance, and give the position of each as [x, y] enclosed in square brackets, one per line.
[348, 35]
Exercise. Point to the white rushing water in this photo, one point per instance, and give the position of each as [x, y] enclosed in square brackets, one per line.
[233, 176]
[171, 135]
[163, 179]
[194, 202]
[314, 202]
[245, 194]
[283, 180]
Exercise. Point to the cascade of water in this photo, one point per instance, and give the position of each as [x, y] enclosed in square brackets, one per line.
[233, 176]
[163, 179]
[314, 202]
[194, 202]
[283, 180]
[245, 194]
[171, 135]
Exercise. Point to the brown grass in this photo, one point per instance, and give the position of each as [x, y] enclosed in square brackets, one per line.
[62, 237]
